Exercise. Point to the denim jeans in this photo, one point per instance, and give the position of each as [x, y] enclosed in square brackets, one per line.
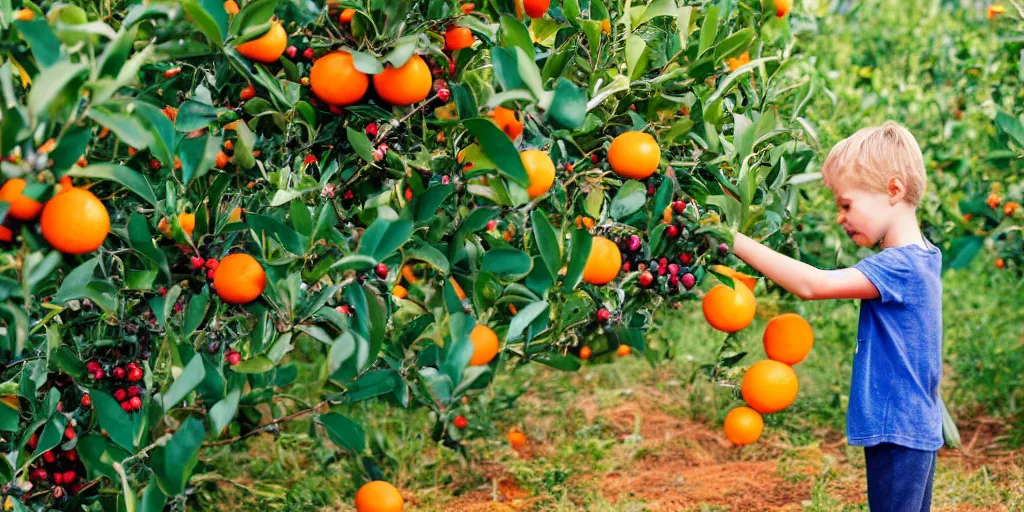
[899, 478]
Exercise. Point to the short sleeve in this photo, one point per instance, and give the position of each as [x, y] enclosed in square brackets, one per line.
[891, 274]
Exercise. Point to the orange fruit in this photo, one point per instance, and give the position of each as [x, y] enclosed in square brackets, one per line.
[187, 221]
[6, 235]
[604, 261]
[995, 10]
[239, 279]
[347, 15]
[634, 155]
[267, 48]
[516, 438]
[235, 215]
[335, 80]
[624, 350]
[379, 496]
[788, 339]
[782, 7]
[750, 281]
[585, 353]
[485, 345]
[743, 425]
[505, 118]
[457, 38]
[541, 171]
[231, 7]
[21, 208]
[408, 274]
[1000, 263]
[406, 85]
[400, 292]
[729, 309]
[74, 221]
[769, 386]
[536, 8]
[24, 15]
[736, 62]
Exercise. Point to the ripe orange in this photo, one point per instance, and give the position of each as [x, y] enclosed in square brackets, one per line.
[585, 353]
[604, 261]
[634, 155]
[769, 386]
[788, 338]
[24, 15]
[516, 438]
[536, 8]
[729, 309]
[505, 118]
[743, 425]
[541, 171]
[335, 80]
[267, 48]
[750, 281]
[21, 208]
[400, 292]
[347, 15]
[379, 496]
[231, 7]
[239, 279]
[74, 221]
[485, 345]
[1000, 263]
[187, 221]
[782, 7]
[457, 38]
[406, 85]
[624, 350]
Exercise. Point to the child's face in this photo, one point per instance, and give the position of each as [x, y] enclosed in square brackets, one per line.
[863, 214]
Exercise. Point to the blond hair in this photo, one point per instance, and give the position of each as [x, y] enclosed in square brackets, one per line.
[870, 158]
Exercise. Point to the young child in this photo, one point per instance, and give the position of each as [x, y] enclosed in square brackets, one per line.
[878, 178]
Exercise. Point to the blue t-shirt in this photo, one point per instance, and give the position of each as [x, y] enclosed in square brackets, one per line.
[894, 395]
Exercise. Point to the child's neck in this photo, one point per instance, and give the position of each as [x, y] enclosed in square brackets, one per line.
[904, 231]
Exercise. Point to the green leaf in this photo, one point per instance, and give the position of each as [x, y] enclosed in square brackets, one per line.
[263, 225]
[506, 71]
[258, 364]
[499, 149]
[40, 38]
[384, 237]
[153, 499]
[193, 115]
[628, 200]
[127, 493]
[366, 63]
[507, 262]
[244, 145]
[579, 252]
[558, 361]
[356, 262]
[98, 455]
[360, 144]
[734, 45]
[141, 241]
[427, 203]
[635, 49]
[569, 105]
[74, 285]
[224, 411]
[524, 318]
[9, 417]
[197, 156]
[515, 34]
[50, 83]
[113, 419]
[119, 174]
[187, 381]
[547, 241]
[173, 463]
[211, 20]
[419, 250]
[253, 15]
[530, 75]
[129, 129]
[403, 50]
[962, 251]
[1011, 126]
[708, 30]
[344, 432]
[658, 8]
[195, 312]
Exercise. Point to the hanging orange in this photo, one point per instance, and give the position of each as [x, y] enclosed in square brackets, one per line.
[457, 38]
[505, 118]
[769, 386]
[267, 48]
[187, 221]
[335, 80]
[541, 171]
[21, 207]
[239, 279]
[485, 345]
[729, 309]
[536, 8]
[634, 155]
[74, 221]
[379, 496]
[406, 85]
[788, 339]
[743, 425]
[604, 261]
[749, 281]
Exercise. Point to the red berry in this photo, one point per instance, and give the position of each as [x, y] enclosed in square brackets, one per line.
[633, 108]
[461, 422]
[155, 164]
[118, 373]
[723, 248]
[678, 206]
[662, 262]
[291, 51]
[310, 160]
[673, 269]
[646, 279]
[86, 401]
[444, 95]
[212, 264]
[233, 357]
[451, 67]
[162, 291]
[33, 442]
[307, 53]
[372, 129]
[98, 374]
[120, 395]
[132, 366]
[593, 158]
[126, 406]
[673, 281]
[651, 190]
[343, 309]
[58, 478]
[92, 366]
[135, 402]
[134, 391]
[69, 476]
[210, 273]
[38, 474]
[688, 280]
[382, 270]
[197, 262]
[672, 231]
[634, 243]
[408, 194]
[626, 267]
[686, 258]
[71, 455]
[491, 225]
[603, 315]
[135, 374]
[445, 180]
[49, 457]
[662, 270]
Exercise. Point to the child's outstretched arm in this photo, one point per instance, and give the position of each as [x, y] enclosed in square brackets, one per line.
[801, 279]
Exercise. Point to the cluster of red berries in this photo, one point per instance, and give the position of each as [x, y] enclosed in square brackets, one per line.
[130, 397]
[631, 248]
[62, 469]
[666, 277]
[293, 52]
[198, 264]
[676, 227]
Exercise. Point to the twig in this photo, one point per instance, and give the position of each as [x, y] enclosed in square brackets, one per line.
[268, 426]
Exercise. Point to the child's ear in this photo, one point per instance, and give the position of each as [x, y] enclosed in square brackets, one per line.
[897, 190]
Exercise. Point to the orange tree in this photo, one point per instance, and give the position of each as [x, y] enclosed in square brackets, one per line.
[426, 191]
